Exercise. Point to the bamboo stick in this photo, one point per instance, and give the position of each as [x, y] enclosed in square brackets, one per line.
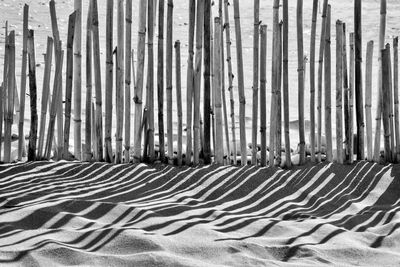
[348, 151]
[212, 75]
[242, 99]
[391, 113]
[179, 98]
[119, 88]
[285, 77]
[339, 92]
[23, 82]
[108, 154]
[351, 93]
[150, 87]
[139, 79]
[368, 98]
[230, 79]
[45, 95]
[385, 56]
[33, 97]
[128, 70]
[255, 79]
[327, 75]
[88, 107]
[300, 71]
[312, 78]
[78, 81]
[396, 94]
[69, 82]
[97, 78]
[169, 79]
[54, 103]
[94, 134]
[3, 108]
[197, 81]
[10, 96]
[160, 78]
[207, 84]
[358, 79]
[263, 96]
[278, 138]
[219, 142]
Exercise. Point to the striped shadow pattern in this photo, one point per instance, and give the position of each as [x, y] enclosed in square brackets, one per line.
[86, 207]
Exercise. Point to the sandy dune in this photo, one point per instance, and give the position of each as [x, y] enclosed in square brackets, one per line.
[134, 215]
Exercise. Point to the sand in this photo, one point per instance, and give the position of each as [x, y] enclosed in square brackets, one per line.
[69, 213]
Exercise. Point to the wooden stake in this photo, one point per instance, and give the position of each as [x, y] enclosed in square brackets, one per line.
[219, 141]
[368, 98]
[97, 78]
[322, 46]
[23, 82]
[351, 92]
[169, 80]
[348, 152]
[263, 96]
[69, 81]
[128, 70]
[33, 97]
[207, 84]
[230, 80]
[54, 103]
[300, 71]
[327, 75]
[94, 134]
[339, 92]
[358, 79]
[386, 101]
[312, 78]
[278, 137]
[108, 154]
[78, 80]
[3, 101]
[160, 78]
[396, 94]
[391, 113]
[10, 96]
[150, 86]
[255, 79]
[88, 118]
[119, 89]
[179, 98]
[242, 99]
[139, 79]
[197, 81]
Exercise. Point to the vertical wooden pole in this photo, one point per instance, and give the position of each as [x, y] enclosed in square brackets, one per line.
[300, 71]
[278, 138]
[139, 79]
[386, 101]
[348, 153]
[69, 82]
[219, 142]
[88, 106]
[368, 98]
[312, 78]
[396, 94]
[391, 112]
[128, 70]
[4, 88]
[255, 79]
[285, 57]
[23, 82]
[78, 81]
[33, 97]
[179, 98]
[160, 78]
[197, 80]
[54, 104]
[119, 89]
[94, 134]
[327, 75]
[10, 96]
[230, 80]
[358, 79]
[169, 49]
[97, 78]
[263, 96]
[45, 96]
[190, 82]
[108, 155]
[351, 92]
[150, 85]
[207, 84]
[339, 92]
[242, 98]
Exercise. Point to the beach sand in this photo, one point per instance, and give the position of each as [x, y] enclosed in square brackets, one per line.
[69, 213]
